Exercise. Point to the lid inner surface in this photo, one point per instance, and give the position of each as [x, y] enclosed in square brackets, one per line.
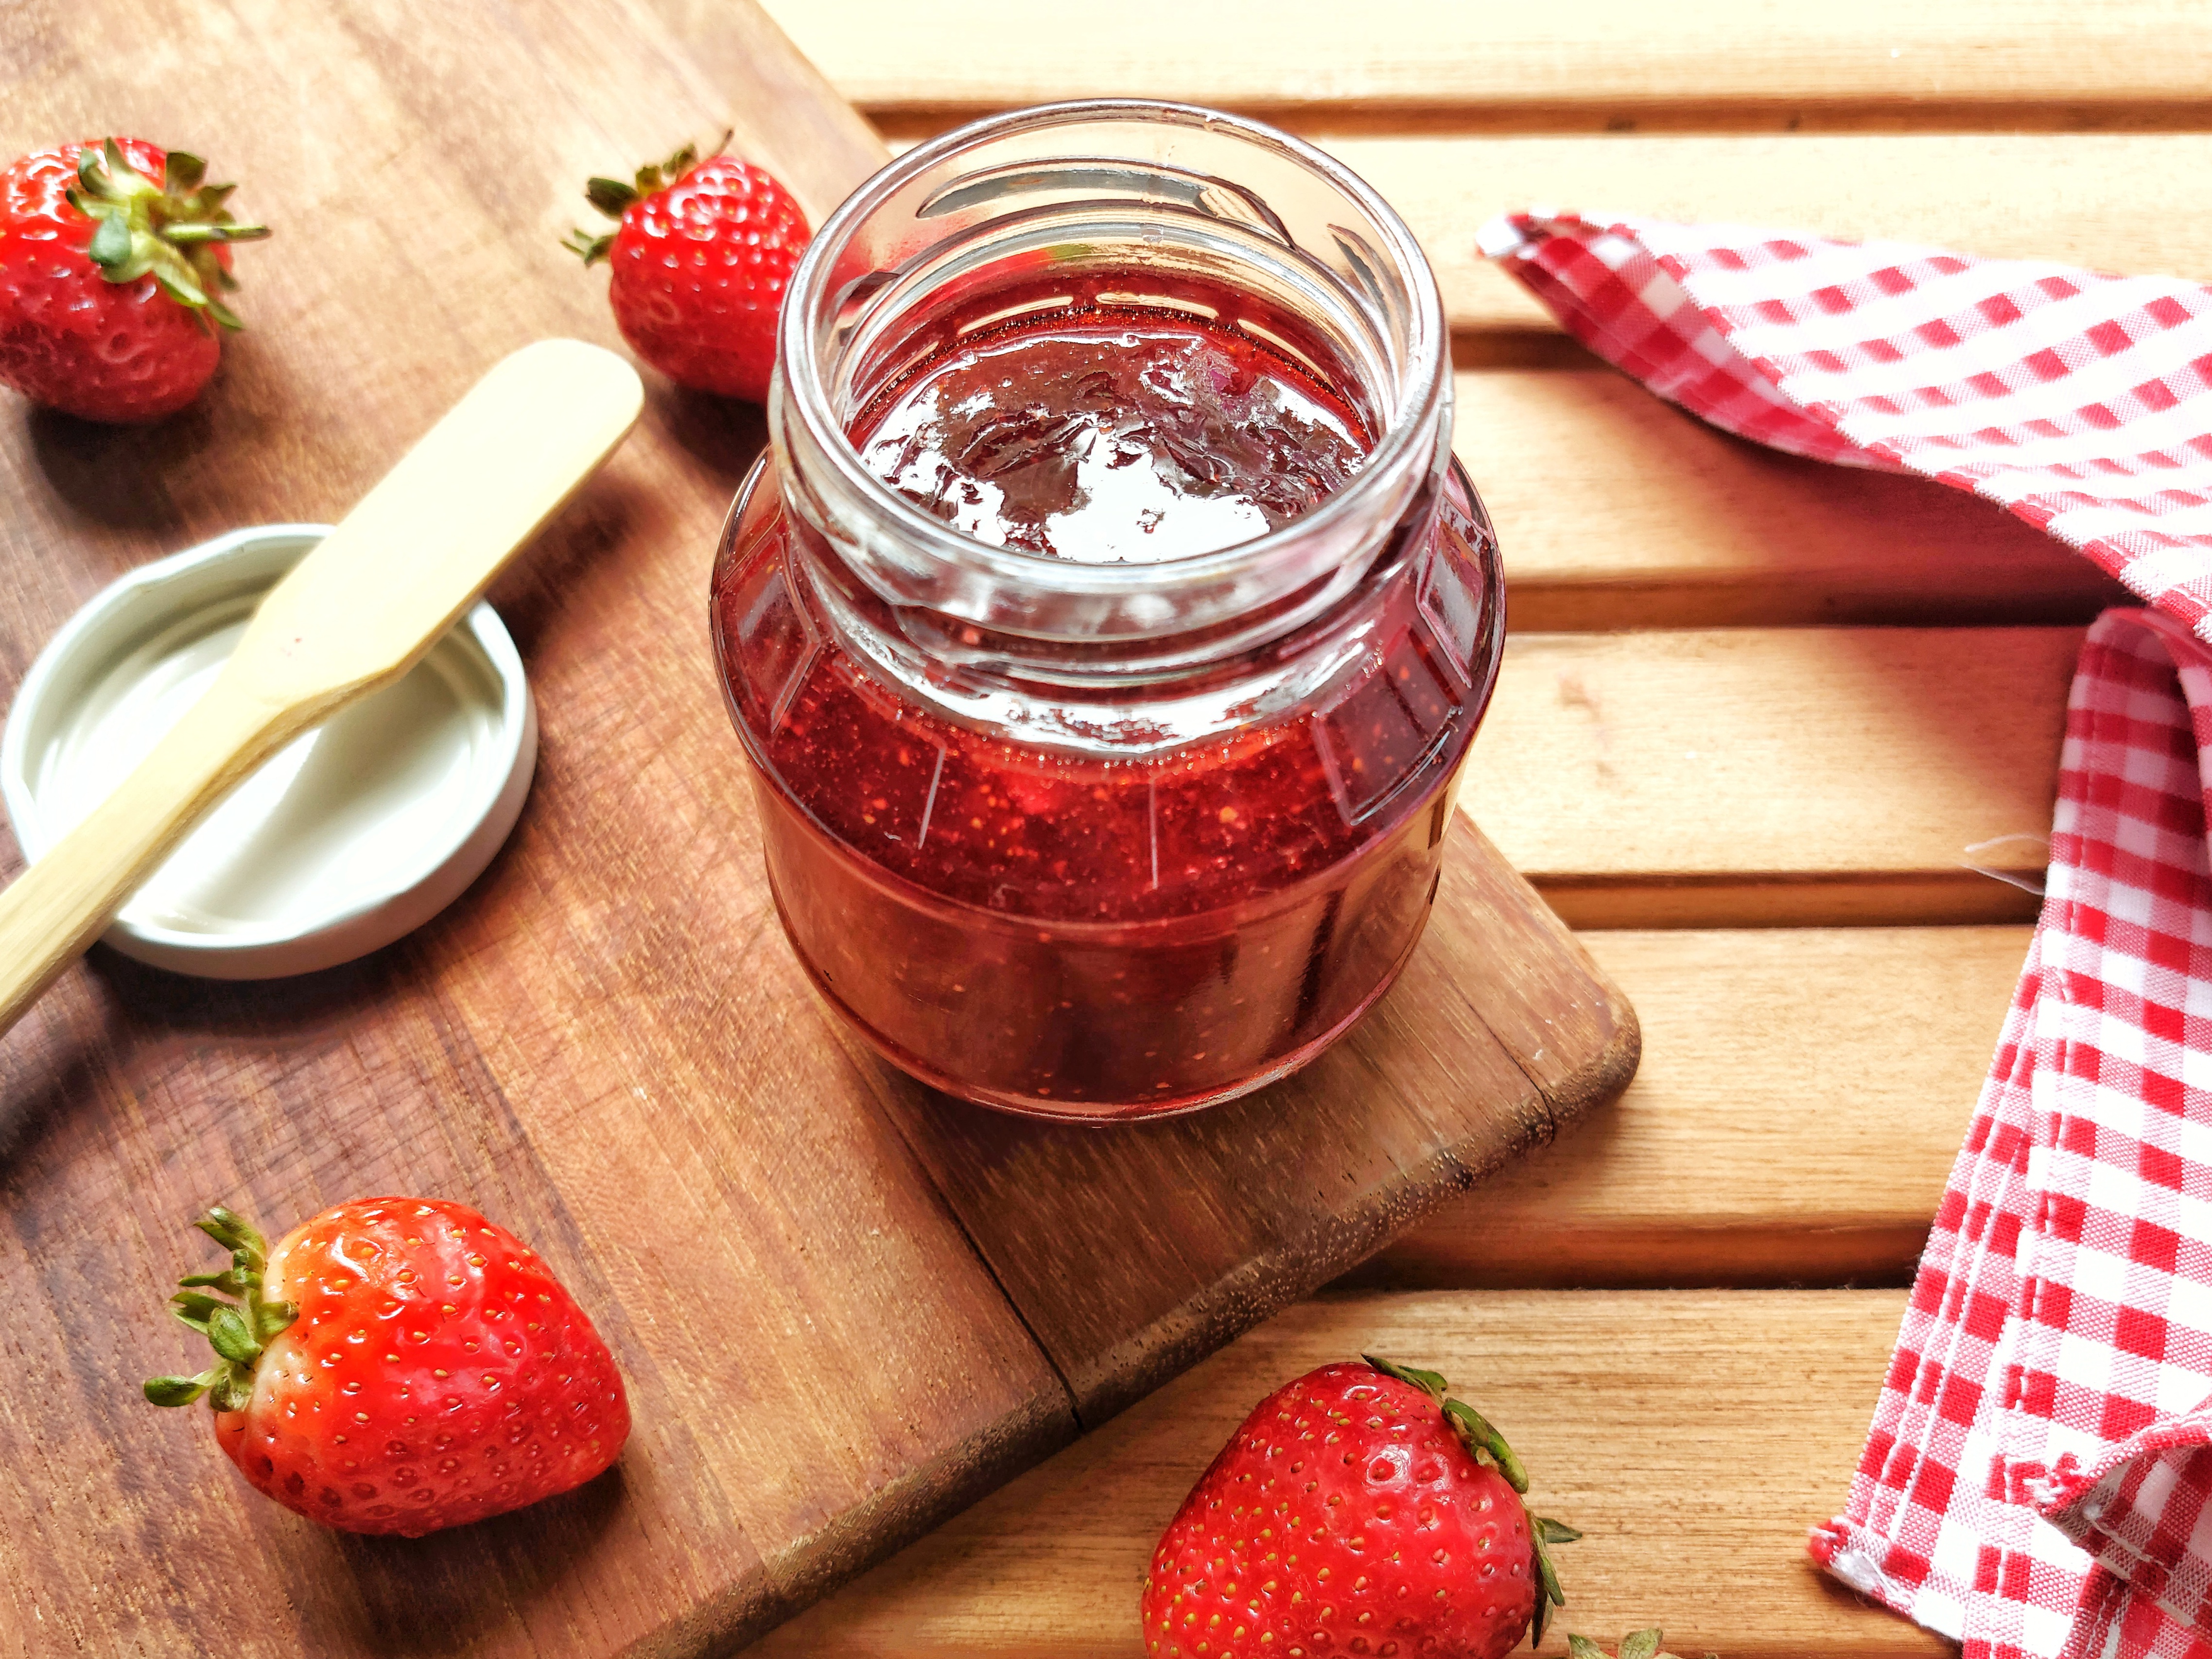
[345, 816]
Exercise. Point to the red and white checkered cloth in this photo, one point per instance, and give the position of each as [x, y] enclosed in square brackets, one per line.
[2036, 1479]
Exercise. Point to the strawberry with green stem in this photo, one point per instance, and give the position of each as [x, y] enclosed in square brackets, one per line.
[114, 254]
[398, 1365]
[1358, 1510]
[702, 253]
[1486, 1445]
[173, 227]
[237, 1330]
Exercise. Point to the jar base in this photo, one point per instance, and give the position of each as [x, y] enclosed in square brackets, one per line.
[1098, 1114]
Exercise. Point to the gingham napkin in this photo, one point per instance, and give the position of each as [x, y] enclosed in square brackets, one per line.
[2035, 1481]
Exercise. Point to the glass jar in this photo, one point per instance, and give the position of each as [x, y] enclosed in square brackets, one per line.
[1107, 840]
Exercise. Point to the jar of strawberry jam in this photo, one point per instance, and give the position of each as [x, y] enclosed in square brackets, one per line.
[1108, 620]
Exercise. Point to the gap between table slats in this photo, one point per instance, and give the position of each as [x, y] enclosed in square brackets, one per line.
[1802, 1095]
[1750, 777]
[1616, 510]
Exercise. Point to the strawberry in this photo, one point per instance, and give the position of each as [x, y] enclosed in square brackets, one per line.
[1357, 1510]
[701, 255]
[112, 255]
[399, 1365]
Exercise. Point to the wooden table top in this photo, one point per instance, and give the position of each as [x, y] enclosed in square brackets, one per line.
[1754, 714]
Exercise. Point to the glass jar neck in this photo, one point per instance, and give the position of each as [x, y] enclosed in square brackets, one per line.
[1103, 209]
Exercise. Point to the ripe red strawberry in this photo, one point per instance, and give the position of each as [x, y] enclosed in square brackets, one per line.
[702, 256]
[1357, 1510]
[398, 1365]
[112, 255]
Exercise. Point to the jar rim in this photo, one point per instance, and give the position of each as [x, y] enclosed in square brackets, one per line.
[1421, 379]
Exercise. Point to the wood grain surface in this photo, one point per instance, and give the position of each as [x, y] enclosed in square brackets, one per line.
[843, 1308]
[1802, 1095]
[1735, 777]
[1617, 511]
[1994, 63]
[2110, 201]
[1692, 1436]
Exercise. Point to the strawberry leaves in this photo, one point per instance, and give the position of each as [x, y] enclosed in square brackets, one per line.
[613, 196]
[237, 1330]
[589, 248]
[1636, 1644]
[171, 229]
[1544, 1532]
[233, 1338]
[1484, 1442]
[1481, 1438]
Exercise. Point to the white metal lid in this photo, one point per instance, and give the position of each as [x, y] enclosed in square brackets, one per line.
[356, 832]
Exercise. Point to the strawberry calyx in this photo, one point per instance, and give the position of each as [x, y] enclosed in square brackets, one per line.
[1636, 1644]
[1485, 1445]
[172, 229]
[237, 1325]
[613, 196]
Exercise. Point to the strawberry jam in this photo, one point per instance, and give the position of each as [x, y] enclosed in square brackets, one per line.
[1100, 932]
[1105, 438]
[1109, 623]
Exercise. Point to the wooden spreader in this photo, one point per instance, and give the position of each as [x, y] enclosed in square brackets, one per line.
[845, 1308]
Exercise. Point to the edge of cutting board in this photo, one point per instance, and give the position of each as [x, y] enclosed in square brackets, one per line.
[1164, 1241]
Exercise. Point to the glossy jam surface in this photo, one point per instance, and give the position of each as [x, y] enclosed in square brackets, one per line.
[1115, 929]
[1112, 438]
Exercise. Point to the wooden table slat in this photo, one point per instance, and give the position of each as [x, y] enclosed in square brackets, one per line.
[1784, 776]
[2108, 201]
[1802, 1095]
[1617, 511]
[1405, 57]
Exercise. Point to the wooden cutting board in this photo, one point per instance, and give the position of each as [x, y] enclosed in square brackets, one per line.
[845, 1307]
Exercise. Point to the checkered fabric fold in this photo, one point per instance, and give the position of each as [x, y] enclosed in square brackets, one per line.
[2074, 400]
[2056, 1358]
[2140, 1512]
[2036, 1478]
